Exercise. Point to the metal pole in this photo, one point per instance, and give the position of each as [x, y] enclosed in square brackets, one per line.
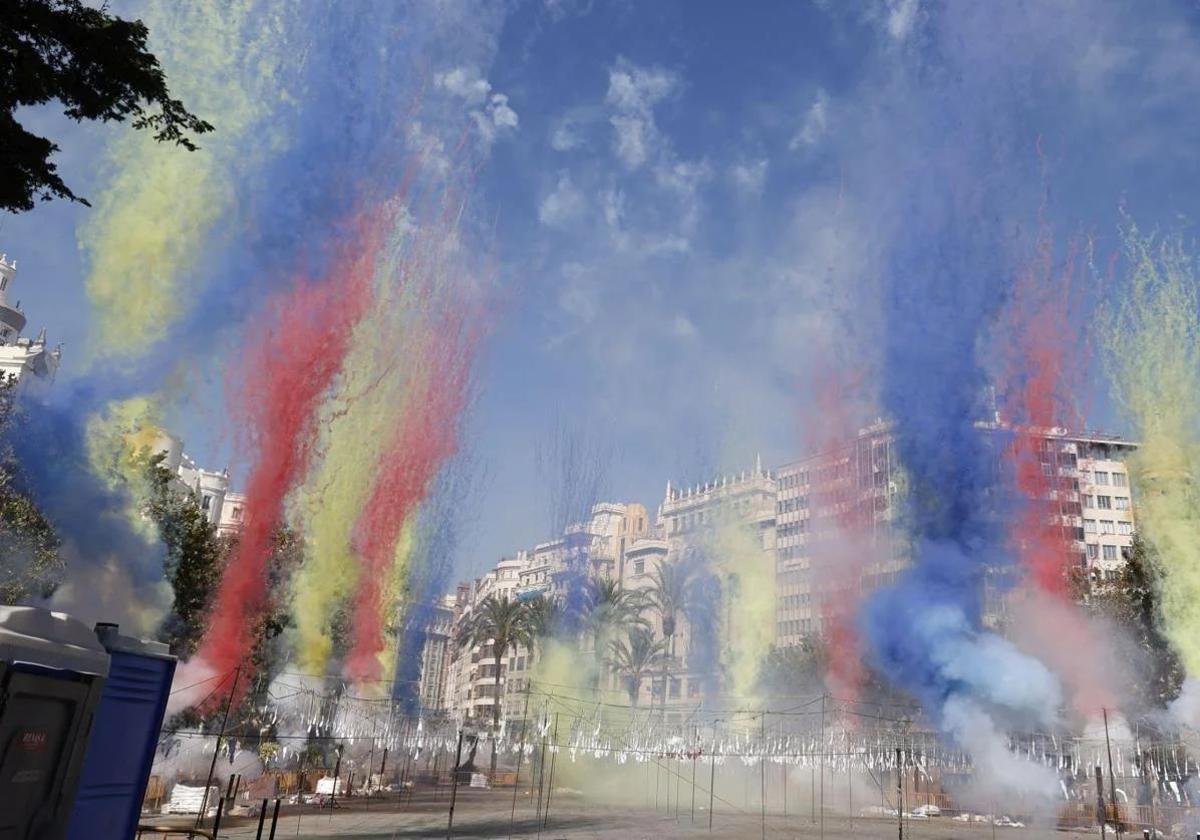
[550, 787]
[900, 794]
[217, 820]
[229, 788]
[1112, 783]
[762, 772]
[274, 820]
[850, 786]
[695, 754]
[823, 742]
[454, 788]
[262, 818]
[520, 755]
[237, 672]
[337, 771]
[812, 794]
[541, 777]
[712, 786]
[1101, 812]
[657, 781]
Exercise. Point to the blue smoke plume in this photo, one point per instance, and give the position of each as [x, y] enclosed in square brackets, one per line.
[945, 270]
[355, 76]
[90, 516]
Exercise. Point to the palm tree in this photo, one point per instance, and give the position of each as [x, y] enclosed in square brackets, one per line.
[544, 617]
[634, 659]
[606, 606]
[504, 624]
[669, 592]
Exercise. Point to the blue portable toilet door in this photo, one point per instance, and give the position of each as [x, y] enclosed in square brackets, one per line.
[42, 731]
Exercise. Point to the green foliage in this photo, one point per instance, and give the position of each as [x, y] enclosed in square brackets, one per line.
[504, 625]
[270, 649]
[30, 565]
[637, 658]
[793, 671]
[194, 556]
[545, 618]
[670, 593]
[1132, 602]
[606, 605]
[97, 66]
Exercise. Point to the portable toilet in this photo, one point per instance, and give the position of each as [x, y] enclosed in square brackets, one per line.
[52, 670]
[124, 737]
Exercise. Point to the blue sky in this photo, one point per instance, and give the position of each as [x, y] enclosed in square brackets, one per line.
[690, 201]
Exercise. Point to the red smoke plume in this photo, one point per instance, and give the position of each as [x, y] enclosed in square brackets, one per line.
[1041, 380]
[286, 370]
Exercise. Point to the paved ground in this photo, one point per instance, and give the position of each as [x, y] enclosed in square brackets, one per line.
[487, 814]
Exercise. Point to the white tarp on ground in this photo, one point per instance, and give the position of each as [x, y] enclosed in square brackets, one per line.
[186, 799]
[325, 786]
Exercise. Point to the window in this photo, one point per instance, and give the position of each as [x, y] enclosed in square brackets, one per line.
[1104, 502]
[676, 685]
[237, 514]
[1110, 552]
[1089, 500]
[1101, 478]
[1089, 526]
[1092, 552]
[1120, 480]
[1125, 528]
[1106, 526]
[1121, 502]
[639, 567]
[206, 502]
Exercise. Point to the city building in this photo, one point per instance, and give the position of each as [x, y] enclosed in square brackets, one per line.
[835, 511]
[436, 655]
[21, 357]
[820, 525]
[223, 507]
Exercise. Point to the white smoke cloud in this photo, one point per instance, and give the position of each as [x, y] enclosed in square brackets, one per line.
[633, 92]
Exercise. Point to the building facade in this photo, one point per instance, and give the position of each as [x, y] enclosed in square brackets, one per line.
[21, 358]
[821, 528]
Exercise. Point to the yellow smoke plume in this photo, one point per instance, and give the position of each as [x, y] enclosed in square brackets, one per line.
[356, 424]
[159, 202]
[396, 599]
[747, 575]
[119, 442]
[1153, 341]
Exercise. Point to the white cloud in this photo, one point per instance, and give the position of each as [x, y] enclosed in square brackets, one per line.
[901, 15]
[563, 204]
[429, 148]
[749, 177]
[683, 327]
[565, 137]
[466, 83]
[579, 297]
[633, 92]
[490, 111]
[502, 113]
[815, 125]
